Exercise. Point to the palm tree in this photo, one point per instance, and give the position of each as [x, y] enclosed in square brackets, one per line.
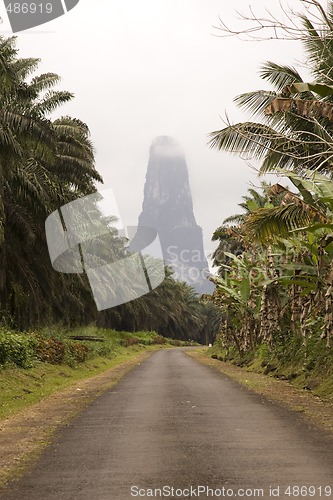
[43, 164]
[295, 129]
[231, 239]
[293, 136]
[312, 218]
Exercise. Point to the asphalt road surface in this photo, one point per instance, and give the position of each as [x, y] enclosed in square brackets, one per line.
[186, 430]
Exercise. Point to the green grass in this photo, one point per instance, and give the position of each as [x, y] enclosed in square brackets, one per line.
[22, 387]
[309, 367]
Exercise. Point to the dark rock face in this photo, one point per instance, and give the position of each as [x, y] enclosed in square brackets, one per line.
[168, 208]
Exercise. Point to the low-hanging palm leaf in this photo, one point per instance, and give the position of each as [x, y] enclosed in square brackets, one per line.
[269, 224]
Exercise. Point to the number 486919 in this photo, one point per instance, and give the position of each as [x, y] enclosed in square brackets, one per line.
[308, 491]
[29, 8]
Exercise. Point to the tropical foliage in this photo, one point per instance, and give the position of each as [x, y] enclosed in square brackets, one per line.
[276, 258]
[44, 164]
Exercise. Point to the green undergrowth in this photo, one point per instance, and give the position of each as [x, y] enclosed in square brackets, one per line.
[35, 365]
[308, 367]
[69, 347]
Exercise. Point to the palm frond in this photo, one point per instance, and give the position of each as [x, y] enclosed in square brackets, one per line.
[319, 49]
[250, 139]
[51, 101]
[24, 66]
[43, 82]
[256, 102]
[234, 219]
[269, 224]
[279, 76]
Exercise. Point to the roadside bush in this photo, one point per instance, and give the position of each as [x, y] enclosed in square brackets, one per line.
[50, 350]
[131, 341]
[176, 343]
[17, 349]
[106, 349]
[78, 352]
[158, 339]
[53, 346]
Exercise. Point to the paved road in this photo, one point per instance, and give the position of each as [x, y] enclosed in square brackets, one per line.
[172, 422]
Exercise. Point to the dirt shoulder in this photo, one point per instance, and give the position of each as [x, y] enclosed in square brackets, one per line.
[24, 435]
[319, 412]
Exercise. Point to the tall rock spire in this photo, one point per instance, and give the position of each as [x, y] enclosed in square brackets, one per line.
[168, 207]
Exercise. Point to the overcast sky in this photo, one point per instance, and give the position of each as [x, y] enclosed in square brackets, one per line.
[145, 68]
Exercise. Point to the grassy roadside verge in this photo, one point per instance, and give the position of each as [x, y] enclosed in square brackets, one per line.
[317, 411]
[21, 388]
[25, 434]
[42, 364]
[307, 367]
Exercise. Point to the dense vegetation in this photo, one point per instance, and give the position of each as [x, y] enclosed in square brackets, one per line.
[35, 365]
[275, 283]
[60, 347]
[44, 164]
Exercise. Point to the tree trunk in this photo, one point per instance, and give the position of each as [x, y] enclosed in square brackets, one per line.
[327, 330]
[269, 311]
[2, 242]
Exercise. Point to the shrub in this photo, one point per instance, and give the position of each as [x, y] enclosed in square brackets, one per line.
[158, 339]
[176, 342]
[131, 341]
[77, 352]
[17, 349]
[50, 350]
